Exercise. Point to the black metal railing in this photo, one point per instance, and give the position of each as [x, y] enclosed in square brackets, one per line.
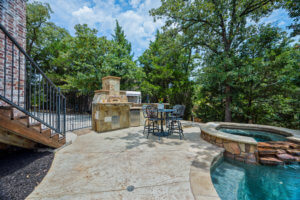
[26, 87]
[78, 109]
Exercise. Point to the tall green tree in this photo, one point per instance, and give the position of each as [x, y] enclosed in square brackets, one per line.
[120, 60]
[88, 57]
[80, 61]
[44, 39]
[267, 82]
[84, 57]
[215, 27]
[120, 39]
[266, 86]
[37, 16]
[167, 67]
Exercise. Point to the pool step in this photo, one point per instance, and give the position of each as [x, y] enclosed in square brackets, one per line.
[266, 151]
[270, 161]
[274, 145]
[294, 152]
[278, 152]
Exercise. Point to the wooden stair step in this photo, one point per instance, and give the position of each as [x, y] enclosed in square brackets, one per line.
[7, 111]
[17, 128]
[46, 132]
[23, 119]
[37, 126]
[62, 140]
[55, 137]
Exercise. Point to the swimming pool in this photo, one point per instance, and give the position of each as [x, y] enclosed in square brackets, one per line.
[259, 136]
[236, 180]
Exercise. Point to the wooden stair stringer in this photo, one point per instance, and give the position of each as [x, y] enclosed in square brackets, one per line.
[30, 133]
[11, 139]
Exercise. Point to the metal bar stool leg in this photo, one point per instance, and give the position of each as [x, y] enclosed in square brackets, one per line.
[173, 126]
[178, 127]
[153, 128]
[145, 125]
[148, 129]
[181, 130]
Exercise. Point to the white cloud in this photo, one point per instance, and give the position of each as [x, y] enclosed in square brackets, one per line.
[133, 16]
[135, 3]
[83, 11]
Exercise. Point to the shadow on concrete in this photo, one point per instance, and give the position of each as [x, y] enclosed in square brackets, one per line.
[204, 151]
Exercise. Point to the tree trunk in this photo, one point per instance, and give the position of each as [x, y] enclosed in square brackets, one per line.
[227, 104]
[250, 121]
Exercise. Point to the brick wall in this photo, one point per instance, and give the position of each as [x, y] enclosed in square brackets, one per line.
[13, 18]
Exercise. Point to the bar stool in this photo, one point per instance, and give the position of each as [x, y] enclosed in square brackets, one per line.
[146, 118]
[174, 124]
[151, 115]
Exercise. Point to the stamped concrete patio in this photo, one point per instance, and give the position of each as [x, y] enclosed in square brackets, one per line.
[102, 166]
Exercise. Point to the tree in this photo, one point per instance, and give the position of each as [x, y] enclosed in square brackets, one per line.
[267, 81]
[87, 58]
[37, 15]
[44, 39]
[167, 67]
[216, 27]
[293, 8]
[120, 60]
[81, 61]
[120, 39]
[84, 57]
[266, 86]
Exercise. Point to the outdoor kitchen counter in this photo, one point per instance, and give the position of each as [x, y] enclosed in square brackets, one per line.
[110, 116]
[136, 116]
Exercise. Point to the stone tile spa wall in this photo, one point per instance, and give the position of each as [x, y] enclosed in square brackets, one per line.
[234, 150]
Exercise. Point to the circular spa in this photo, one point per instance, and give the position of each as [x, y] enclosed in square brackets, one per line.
[259, 136]
[259, 162]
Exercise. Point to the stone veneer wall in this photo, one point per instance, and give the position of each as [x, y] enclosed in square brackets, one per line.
[110, 116]
[13, 18]
[234, 150]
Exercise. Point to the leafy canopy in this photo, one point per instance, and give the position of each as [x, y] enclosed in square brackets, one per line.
[215, 27]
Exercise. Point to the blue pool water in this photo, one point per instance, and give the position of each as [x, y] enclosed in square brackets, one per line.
[259, 136]
[235, 180]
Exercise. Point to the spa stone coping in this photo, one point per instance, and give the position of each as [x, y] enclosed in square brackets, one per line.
[211, 128]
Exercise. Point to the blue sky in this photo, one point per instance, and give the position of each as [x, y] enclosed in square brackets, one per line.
[133, 16]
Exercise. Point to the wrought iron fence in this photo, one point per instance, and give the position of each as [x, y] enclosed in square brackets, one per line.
[78, 109]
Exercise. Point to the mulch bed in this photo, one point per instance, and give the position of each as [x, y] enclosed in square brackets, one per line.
[21, 172]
